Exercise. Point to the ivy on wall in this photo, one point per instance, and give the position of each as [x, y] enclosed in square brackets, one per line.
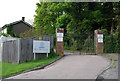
[10, 30]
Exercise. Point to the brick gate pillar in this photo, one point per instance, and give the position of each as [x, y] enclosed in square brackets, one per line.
[99, 45]
[59, 41]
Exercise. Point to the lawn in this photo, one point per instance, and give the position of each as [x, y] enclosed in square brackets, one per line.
[7, 69]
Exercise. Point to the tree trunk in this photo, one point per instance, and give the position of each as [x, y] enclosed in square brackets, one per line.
[112, 27]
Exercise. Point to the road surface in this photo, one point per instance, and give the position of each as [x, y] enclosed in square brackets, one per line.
[69, 67]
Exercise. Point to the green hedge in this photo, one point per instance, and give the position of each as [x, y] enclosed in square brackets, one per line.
[112, 42]
[6, 35]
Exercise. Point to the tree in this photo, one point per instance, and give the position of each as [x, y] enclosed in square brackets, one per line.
[118, 34]
[76, 18]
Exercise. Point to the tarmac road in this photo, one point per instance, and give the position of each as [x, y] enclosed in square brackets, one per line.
[69, 67]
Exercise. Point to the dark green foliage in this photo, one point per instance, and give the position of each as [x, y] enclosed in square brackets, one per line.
[62, 21]
[74, 17]
[89, 45]
[118, 42]
[118, 37]
[6, 35]
[79, 21]
[52, 53]
[110, 44]
[10, 30]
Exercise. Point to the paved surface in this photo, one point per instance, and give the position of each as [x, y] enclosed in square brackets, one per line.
[112, 73]
[69, 67]
[69, 52]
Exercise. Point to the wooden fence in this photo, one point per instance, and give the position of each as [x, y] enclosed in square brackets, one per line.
[0, 52]
[17, 51]
[25, 50]
[20, 50]
[10, 51]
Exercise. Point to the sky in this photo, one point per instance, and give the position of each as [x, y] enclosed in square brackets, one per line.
[14, 10]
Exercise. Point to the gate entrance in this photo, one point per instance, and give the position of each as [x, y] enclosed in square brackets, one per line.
[83, 43]
[86, 43]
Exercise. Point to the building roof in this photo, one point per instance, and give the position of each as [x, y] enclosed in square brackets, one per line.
[16, 22]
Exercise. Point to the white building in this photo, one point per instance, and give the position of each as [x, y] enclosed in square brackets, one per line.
[3, 30]
[0, 30]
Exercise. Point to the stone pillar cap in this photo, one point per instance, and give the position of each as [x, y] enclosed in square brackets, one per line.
[98, 31]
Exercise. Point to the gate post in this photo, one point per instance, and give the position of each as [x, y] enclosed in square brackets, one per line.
[99, 45]
[59, 41]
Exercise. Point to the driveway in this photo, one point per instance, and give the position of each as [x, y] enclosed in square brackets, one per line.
[69, 67]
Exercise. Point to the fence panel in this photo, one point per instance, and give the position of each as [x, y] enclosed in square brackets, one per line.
[1, 51]
[26, 53]
[10, 51]
[21, 50]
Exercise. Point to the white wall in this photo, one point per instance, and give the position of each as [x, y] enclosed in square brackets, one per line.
[1, 51]
[0, 30]
[4, 30]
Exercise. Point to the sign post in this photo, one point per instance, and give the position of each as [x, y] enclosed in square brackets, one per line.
[59, 41]
[100, 38]
[99, 45]
[47, 54]
[34, 56]
[41, 47]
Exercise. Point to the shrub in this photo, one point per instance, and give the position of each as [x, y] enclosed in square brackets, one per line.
[6, 35]
[110, 42]
[52, 53]
[28, 33]
[118, 40]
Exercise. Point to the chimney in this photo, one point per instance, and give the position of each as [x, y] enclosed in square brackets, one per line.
[23, 18]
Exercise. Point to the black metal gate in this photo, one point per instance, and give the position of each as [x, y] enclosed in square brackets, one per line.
[82, 42]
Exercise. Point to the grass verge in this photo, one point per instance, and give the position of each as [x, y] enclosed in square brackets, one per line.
[8, 69]
[114, 59]
[113, 65]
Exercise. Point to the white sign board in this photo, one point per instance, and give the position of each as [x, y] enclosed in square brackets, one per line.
[60, 39]
[59, 34]
[41, 46]
[100, 38]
